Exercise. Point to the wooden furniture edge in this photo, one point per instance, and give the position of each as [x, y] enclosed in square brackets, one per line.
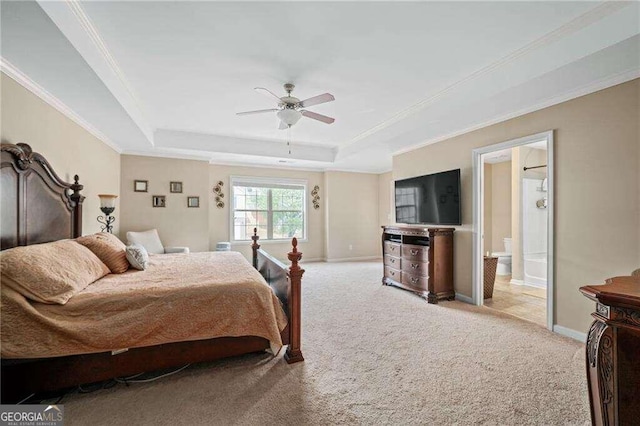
[616, 321]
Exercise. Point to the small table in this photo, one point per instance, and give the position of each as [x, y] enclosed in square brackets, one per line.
[613, 352]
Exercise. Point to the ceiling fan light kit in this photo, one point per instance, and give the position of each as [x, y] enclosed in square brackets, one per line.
[289, 116]
[289, 110]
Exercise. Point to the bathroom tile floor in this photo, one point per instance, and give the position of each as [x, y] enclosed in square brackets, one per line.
[527, 303]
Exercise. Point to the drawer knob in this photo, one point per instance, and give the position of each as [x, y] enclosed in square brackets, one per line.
[414, 252]
[415, 265]
[414, 280]
[392, 260]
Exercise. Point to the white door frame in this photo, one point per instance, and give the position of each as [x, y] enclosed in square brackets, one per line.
[478, 216]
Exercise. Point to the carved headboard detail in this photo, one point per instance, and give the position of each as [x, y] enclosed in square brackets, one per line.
[37, 206]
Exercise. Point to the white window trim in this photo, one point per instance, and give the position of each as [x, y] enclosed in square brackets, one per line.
[267, 180]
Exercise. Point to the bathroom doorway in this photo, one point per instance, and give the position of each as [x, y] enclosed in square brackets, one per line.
[513, 228]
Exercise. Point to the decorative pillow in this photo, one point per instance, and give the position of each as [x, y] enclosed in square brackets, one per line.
[137, 256]
[150, 240]
[109, 249]
[52, 272]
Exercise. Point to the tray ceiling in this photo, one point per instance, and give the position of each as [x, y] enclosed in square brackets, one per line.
[166, 78]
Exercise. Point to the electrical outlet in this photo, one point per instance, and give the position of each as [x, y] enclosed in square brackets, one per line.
[350, 247]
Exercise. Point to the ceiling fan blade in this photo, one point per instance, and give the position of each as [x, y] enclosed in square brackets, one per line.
[283, 125]
[259, 111]
[318, 117]
[320, 99]
[268, 93]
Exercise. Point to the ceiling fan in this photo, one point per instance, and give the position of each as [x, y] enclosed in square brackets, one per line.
[290, 109]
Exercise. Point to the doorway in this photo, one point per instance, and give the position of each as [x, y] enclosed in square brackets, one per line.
[513, 224]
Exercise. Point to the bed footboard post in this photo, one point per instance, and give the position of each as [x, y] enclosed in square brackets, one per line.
[294, 352]
[76, 187]
[255, 246]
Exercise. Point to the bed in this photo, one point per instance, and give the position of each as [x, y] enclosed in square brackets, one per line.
[39, 207]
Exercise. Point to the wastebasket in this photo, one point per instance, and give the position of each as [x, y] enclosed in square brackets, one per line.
[490, 266]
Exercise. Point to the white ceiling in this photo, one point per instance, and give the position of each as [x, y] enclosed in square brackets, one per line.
[166, 78]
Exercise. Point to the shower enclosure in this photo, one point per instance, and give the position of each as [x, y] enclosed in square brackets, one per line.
[534, 231]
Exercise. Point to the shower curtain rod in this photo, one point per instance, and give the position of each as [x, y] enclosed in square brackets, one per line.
[534, 167]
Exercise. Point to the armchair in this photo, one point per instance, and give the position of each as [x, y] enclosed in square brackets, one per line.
[150, 240]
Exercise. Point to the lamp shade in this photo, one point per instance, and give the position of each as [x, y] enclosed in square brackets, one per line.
[289, 116]
[107, 200]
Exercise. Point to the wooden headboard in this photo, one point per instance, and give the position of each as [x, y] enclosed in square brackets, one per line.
[37, 206]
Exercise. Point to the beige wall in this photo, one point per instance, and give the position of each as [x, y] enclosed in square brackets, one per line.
[312, 249]
[69, 148]
[597, 190]
[501, 205]
[386, 203]
[348, 213]
[487, 242]
[177, 224]
[352, 215]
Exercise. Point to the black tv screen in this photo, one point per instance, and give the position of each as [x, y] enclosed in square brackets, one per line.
[430, 199]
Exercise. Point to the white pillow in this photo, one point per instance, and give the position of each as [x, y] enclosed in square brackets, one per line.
[137, 256]
[150, 240]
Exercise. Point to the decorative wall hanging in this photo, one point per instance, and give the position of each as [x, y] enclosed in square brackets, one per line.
[175, 187]
[315, 193]
[193, 201]
[140, 185]
[159, 200]
[219, 194]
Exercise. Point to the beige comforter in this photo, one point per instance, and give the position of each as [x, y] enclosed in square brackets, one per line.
[179, 297]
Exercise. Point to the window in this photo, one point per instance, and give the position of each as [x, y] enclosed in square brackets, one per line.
[277, 207]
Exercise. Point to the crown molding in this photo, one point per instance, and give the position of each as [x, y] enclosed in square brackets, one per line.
[595, 14]
[581, 91]
[18, 76]
[266, 166]
[167, 155]
[78, 28]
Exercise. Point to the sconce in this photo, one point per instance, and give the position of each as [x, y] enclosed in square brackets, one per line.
[107, 206]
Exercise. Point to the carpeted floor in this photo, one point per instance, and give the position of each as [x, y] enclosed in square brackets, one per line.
[374, 355]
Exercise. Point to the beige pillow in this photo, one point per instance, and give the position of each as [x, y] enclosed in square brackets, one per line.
[109, 249]
[52, 272]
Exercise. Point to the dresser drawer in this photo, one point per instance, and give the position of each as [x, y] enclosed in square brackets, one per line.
[417, 253]
[415, 281]
[415, 267]
[392, 248]
[393, 274]
[394, 262]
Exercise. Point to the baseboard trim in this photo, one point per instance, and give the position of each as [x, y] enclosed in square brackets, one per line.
[465, 299]
[313, 259]
[577, 335]
[516, 282]
[353, 259]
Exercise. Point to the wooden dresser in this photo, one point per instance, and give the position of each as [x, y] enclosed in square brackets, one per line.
[420, 260]
[613, 352]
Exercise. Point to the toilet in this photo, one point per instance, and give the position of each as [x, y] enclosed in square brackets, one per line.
[504, 258]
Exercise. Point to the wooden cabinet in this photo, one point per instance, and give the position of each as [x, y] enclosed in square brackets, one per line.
[420, 260]
[613, 351]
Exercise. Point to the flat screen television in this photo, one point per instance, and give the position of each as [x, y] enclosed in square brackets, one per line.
[430, 199]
